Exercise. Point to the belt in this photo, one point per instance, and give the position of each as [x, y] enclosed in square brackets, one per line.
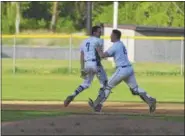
[124, 66]
[90, 60]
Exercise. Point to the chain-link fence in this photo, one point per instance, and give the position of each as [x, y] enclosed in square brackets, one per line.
[54, 52]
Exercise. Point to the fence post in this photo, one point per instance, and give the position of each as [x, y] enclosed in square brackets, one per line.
[70, 53]
[14, 54]
[127, 44]
[182, 56]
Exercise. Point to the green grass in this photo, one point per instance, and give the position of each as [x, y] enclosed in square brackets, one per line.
[15, 115]
[52, 87]
[56, 66]
[49, 80]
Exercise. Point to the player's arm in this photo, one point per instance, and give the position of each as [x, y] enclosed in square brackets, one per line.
[109, 53]
[101, 53]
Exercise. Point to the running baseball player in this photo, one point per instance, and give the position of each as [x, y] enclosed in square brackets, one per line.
[124, 72]
[90, 64]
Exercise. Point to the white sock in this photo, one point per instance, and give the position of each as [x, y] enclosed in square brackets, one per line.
[78, 90]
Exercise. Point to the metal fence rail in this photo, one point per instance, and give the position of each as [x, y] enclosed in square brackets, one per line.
[66, 47]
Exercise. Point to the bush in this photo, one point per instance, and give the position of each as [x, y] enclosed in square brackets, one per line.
[65, 25]
[29, 24]
[8, 20]
[42, 24]
[6, 27]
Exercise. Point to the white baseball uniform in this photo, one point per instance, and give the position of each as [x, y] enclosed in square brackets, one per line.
[92, 63]
[124, 71]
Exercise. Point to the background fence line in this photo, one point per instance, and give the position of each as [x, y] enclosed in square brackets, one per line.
[83, 36]
[71, 48]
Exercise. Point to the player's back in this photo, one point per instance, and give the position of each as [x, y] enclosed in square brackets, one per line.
[89, 48]
[120, 54]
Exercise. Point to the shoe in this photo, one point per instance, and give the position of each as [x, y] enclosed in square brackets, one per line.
[95, 109]
[152, 105]
[68, 100]
[91, 103]
[98, 108]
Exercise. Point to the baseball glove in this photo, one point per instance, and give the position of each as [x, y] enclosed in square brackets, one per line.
[83, 74]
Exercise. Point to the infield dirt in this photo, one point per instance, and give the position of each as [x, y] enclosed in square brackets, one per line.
[113, 121]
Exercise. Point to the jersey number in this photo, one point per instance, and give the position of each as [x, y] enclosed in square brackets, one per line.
[87, 45]
[124, 50]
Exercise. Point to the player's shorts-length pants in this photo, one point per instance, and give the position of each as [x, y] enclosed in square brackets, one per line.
[125, 74]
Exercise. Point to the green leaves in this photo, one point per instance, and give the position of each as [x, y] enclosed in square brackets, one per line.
[106, 15]
[145, 13]
[8, 18]
[71, 16]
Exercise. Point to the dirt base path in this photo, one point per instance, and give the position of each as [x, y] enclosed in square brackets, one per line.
[162, 108]
[112, 121]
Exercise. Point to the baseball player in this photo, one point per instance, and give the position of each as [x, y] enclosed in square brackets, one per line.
[124, 72]
[90, 63]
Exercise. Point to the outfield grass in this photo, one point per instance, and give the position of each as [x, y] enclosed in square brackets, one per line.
[54, 66]
[52, 87]
[49, 80]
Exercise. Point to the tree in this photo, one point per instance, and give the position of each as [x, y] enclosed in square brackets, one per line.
[54, 16]
[8, 17]
[17, 20]
[71, 16]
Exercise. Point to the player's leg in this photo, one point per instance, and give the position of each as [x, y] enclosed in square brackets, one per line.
[87, 82]
[116, 78]
[102, 77]
[136, 90]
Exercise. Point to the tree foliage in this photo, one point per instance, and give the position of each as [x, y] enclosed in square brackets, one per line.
[71, 16]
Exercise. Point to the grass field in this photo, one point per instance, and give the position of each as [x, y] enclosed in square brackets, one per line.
[49, 80]
[35, 66]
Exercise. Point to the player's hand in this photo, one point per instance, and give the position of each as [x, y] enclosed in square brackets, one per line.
[83, 73]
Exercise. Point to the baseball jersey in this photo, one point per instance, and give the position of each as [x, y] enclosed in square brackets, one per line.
[119, 52]
[89, 48]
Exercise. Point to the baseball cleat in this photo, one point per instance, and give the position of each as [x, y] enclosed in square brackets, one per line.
[98, 108]
[95, 109]
[68, 100]
[152, 105]
[91, 103]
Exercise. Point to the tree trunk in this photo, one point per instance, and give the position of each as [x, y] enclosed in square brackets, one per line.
[17, 20]
[54, 16]
[89, 17]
